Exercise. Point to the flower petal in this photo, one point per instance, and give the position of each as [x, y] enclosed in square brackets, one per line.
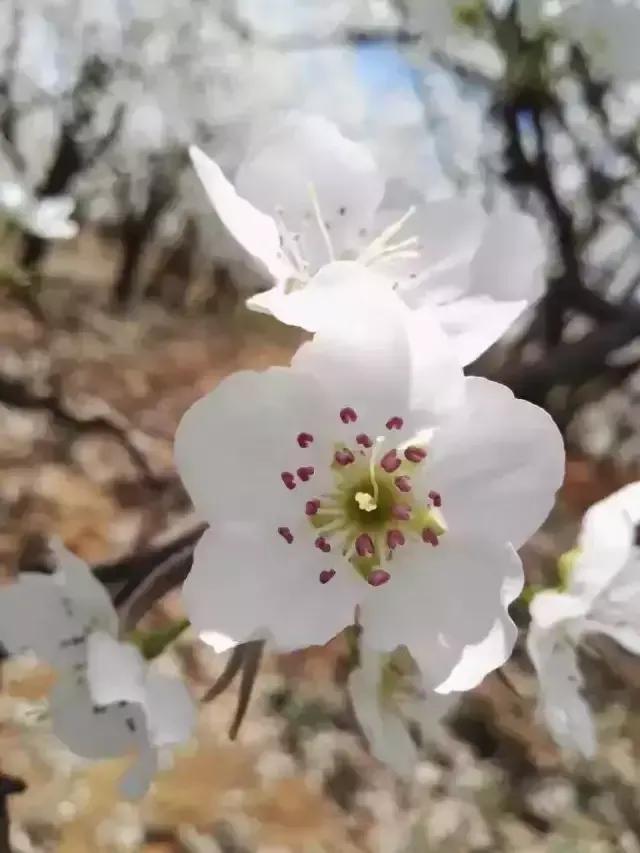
[171, 714]
[497, 463]
[115, 671]
[255, 232]
[247, 583]
[89, 597]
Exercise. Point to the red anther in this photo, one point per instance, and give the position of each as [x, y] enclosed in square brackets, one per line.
[344, 457]
[378, 577]
[430, 537]
[395, 538]
[365, 546]
[435, 498]
[390, 462]
[322, 544]
[288, 479]
[305, 473]
[286, 534]
[305, 439]
[401, 512]
[403, 484]
[415, 454]
[348, 415]
[326, 575]
[395, 423]
[312, 507]
[364, 440]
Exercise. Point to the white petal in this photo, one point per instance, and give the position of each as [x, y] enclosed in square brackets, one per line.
[497, 463]
[89, 597]
[116, 671]
[249, 582]
[233, 445]
[307, 156]
[256, 233]
[137, 779]
[449, 609]
[171, 714]
[550, 609]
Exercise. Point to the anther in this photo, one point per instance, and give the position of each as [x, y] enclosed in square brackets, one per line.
[364, 440]
[312, 507]
[322, 544]
[344, 457]
[435, 499]
[286, 534]
[305, 473]
[401, 512]
[390, 462]
[395, 538]
[326, 575]
[378, 577]
[348, 415]
[395, 423]
[415, 454]
[430, 537]
[403, 484]
[365, 546]
[304, 439]
[288, 479]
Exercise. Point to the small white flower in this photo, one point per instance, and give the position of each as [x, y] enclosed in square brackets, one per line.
[106, 702]
[355, 478]
[309, 196]
[48, 218]
[601, 595]
[388, 697]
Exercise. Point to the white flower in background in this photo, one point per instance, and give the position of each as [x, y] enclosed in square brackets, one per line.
[388, 698]
[308, 196]
[48, 218]
[358, 478]
[106, 702]
[600, 594]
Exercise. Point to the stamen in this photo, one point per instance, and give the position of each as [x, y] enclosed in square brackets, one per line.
[403, 484]
[401, 512]
[435, 498]
[395, 423]
[395, 538]
[344, 457]
[320, 222]
[326, 575]
[379, 245]
[305, 473]
[322, 544]
[430, 537]
[288, 479]
[390, 462]
[304, 439]
[286, 534]
[415, 454]
[363, 440]
[312, 507]
[378, 577]
[348, 415]
[365, 546]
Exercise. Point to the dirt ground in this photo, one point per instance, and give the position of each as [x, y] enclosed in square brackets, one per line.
[298, 778]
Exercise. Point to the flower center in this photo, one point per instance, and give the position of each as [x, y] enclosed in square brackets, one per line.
[372, 508]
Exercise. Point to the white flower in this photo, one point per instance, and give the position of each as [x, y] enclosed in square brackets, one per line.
[388, 697]
[358, 478]
[601, 595]
[48, 218]
[308, 196]
[105, 702]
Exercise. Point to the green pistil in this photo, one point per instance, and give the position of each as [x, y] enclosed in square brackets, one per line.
[565, 566]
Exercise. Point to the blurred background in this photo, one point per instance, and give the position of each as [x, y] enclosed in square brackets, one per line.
[122, 301]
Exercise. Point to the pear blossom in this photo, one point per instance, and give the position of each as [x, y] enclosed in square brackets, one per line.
[48, 218]
[106, 702]
[307, 196]
[600, 594]
[358, 478]
[388, 698]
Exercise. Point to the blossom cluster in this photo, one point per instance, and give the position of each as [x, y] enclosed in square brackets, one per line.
[371, 486]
